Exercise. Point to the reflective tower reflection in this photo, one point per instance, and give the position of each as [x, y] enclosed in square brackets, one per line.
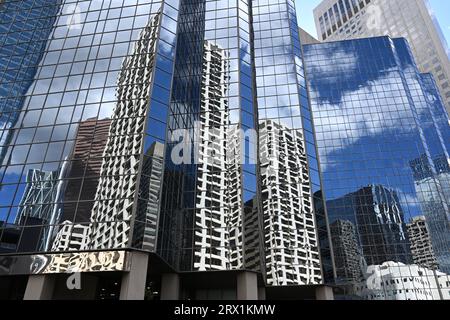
[115, 194]
[292, 253]
[81, 183]
[433, 203]
[218, 214]
[40, 205]
[349, 260]
[421, 246]
[379, 125]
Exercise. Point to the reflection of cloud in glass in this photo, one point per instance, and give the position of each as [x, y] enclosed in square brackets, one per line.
[73, 73]
[378, 114]
[345, 63]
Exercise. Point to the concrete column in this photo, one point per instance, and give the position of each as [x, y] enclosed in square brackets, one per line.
[247, 286]
[40, 287]
[262, 293]
[170, 286]
[324, 293]
[134, 282]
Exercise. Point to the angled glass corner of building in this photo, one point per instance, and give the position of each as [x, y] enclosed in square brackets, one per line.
[288, 163]
[84, 100]
[209, 217]
[382, 137]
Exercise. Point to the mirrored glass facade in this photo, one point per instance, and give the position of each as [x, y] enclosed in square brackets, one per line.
[289, 170]
[181, 128]
[197, 138]
[82, 93]
[382, 138]
[414, 20]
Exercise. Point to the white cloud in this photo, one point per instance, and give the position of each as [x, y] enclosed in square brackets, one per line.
[345, 63]
[367, 111]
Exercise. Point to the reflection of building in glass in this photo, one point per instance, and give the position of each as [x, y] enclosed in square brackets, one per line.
[38, 197]
[421, 168]
[81, 184]
[71, 237]
[149, 198]
[253, 253]
[40, 203]
[229, 66]
[176, 226]
[349, 260]
[288, 159]
[24, 31]
[442, 166]
[115, 195]
[435, 209]
[292, 254]
[372, 117]
[412, 19]
[85, 166]
[380, 224]
[421, 246]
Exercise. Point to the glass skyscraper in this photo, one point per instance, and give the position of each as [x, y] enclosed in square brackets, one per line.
[174, 136]
[381, 135]
[166, 150]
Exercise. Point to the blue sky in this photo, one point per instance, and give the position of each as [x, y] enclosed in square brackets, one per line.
[306, 19]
